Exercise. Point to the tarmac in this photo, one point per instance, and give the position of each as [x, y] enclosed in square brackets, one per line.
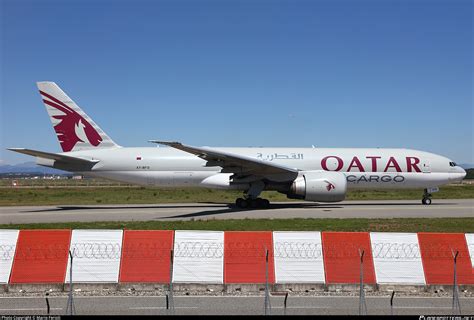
[233, 305]
[280, 210]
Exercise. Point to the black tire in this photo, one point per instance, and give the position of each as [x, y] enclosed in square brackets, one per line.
[265, 204]
[254, 203]
[426, 201]
[239, 203]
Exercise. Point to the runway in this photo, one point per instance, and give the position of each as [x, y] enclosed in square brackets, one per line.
[282, 210]
[233, 305]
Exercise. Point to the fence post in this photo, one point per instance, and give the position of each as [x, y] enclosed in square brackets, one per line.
[391, 302]
[268, 307]
[362, 303]
[71, 308]
[47, 304]
[169, 296]
[456, 304]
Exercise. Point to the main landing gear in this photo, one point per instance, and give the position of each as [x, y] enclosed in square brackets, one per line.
[426, 198]
[252, 203]
[251, 199]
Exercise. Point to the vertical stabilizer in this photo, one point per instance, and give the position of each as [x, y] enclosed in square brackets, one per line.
[74, 129]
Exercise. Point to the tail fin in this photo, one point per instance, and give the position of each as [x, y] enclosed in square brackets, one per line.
[75, 130]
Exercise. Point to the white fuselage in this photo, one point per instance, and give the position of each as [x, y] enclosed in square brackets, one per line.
[363, 167]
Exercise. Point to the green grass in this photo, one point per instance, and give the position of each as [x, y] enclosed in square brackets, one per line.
[383, 225]
[470, 173]
[142, 195]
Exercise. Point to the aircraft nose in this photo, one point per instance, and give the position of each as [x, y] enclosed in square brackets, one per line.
[458, 175]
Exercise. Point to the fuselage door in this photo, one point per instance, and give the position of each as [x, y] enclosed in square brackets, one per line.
[426, 168]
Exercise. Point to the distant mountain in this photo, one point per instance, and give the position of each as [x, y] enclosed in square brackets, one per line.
[466, 165]
[29, 167]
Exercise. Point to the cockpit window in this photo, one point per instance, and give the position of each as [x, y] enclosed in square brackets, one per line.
[452, 164]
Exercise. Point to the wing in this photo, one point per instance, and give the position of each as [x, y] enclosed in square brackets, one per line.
[241, 166]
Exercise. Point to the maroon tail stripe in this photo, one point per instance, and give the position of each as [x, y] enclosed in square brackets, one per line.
[57, 106]
[54, 99]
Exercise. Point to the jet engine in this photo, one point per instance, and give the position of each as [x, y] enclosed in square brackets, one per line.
[319, 186]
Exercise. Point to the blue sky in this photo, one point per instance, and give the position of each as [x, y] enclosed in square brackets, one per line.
[334, 73]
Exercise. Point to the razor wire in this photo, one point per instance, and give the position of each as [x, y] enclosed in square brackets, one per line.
[311, 250]
[7, 252]
[246, 249]
[396, 251]
[96, 250]
[298, 250]
[147, 251]
[35, 252]
[208, 250]
[197, 249]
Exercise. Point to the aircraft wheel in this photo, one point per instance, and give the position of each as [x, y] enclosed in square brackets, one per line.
[241, 203]
[265, 204]
[254, 203]
[262, 203]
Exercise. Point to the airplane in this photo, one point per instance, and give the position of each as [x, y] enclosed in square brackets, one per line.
[311, 174]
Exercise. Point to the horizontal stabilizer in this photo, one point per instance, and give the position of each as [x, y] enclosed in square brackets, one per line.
[55, 156]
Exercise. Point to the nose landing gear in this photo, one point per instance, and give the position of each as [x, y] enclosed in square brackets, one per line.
[426, 198]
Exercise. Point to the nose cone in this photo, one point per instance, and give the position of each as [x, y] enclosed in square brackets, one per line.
[458, 175]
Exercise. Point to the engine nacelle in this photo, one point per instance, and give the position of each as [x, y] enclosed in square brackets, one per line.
[319, 186]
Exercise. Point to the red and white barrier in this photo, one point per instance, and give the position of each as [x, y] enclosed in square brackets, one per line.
[198, 256]
[146, 256]
[437, 252]
[342, 254]
[8, 239]
[215, 257]
[96, 256]
[245, 257]
[397, 258]
[41, 256]
[470, 247]
[298, 257]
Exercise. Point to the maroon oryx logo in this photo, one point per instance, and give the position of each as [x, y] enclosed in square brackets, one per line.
[329, 186]
[71, 124]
